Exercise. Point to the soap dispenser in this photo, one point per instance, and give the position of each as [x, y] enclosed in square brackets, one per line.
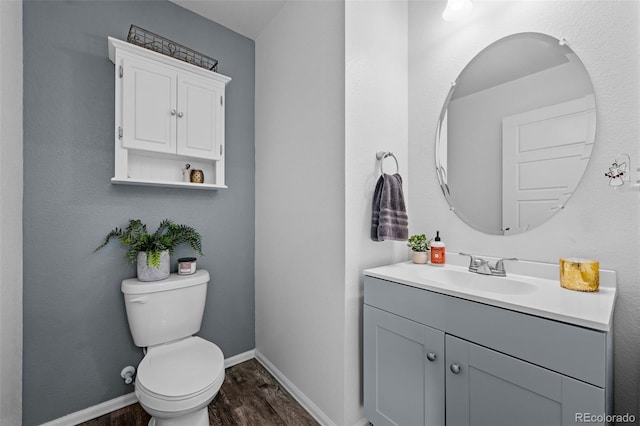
[437, 251]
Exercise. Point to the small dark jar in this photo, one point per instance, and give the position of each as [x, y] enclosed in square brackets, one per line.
[186, 265]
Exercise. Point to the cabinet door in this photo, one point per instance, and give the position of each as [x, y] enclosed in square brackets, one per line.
[487, 388]
[148, 106]
[403, 371]
[200, 117]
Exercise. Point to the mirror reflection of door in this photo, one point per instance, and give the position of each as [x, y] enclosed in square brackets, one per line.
[544, 152]
[515, 134]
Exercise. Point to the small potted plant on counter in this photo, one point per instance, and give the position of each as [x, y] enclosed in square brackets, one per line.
[152, 251]
[419, 245]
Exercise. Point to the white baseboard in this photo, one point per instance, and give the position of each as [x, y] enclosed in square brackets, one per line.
[240, 358]
[94, 411]
[125, 400]
[306, 403]
[362, 422]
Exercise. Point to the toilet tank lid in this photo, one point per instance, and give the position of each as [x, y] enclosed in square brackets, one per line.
[134, 286]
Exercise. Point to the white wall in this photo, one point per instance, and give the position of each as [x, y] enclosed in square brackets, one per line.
[11, 212]
[323, 125]
[300, 200]
[597, 222]
[376, 96]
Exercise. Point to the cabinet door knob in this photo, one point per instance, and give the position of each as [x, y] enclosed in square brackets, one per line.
[431, 356]
[180, 114]
[455, 368]
[173, 112]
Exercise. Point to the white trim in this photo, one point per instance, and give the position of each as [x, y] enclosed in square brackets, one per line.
[94, 411]
[306, 403]
[240, 358]
[11, 210]
[362, 422]
[114, 404]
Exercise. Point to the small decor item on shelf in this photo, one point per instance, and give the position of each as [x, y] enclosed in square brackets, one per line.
[580, 274]
[186, 173]
[152, 251]
[186, 265]
[148, 40]
[419, 245]
[197, 176]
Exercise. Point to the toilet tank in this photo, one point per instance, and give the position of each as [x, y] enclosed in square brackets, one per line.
[167, 310]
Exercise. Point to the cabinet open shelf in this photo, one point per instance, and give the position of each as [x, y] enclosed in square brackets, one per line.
[158, 169]
[147, 182]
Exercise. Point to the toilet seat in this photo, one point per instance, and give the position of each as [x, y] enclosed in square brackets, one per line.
[180, 376]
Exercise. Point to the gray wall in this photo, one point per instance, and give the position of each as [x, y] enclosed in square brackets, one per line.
[76, 338]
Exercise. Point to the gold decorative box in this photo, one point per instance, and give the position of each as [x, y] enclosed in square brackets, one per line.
[197, 176]
[580, 274]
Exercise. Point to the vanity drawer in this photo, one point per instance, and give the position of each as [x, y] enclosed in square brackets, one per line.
[571, 350]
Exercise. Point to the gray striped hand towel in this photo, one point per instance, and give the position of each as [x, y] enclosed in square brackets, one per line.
[389, 220]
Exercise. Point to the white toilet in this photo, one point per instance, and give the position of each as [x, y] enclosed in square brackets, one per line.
[180, 373]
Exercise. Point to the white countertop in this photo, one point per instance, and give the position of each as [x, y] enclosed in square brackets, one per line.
[544, 297]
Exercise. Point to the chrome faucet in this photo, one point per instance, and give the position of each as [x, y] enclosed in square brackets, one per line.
[479, 265]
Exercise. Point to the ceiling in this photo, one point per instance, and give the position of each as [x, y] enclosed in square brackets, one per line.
[246, 17]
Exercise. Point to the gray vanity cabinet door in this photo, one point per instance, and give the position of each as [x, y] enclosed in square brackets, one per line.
[488, 388]
[403, 371]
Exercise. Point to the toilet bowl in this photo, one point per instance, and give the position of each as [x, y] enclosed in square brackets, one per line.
[180, 373]
[176, 382]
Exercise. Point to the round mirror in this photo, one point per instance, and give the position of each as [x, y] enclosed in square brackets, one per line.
[515, 134]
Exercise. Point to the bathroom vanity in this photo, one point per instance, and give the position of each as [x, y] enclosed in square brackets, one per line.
[447, 346]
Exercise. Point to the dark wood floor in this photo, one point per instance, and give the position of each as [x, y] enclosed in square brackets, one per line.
[249, 396]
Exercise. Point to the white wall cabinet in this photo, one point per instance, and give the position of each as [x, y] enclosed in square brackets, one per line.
[433, 359]
[148, 97]
[168, 113]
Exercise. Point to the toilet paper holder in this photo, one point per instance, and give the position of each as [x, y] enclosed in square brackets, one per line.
[127, 374]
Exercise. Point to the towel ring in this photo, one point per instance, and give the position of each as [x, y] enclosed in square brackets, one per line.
[381, 155]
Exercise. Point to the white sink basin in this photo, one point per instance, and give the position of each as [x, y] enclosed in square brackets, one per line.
[479, 282]
[529, 287]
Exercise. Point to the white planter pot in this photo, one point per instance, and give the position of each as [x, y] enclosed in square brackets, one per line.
[420, 256]
[150, 273]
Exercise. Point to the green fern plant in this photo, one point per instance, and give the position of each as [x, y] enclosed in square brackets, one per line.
[167, 237]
